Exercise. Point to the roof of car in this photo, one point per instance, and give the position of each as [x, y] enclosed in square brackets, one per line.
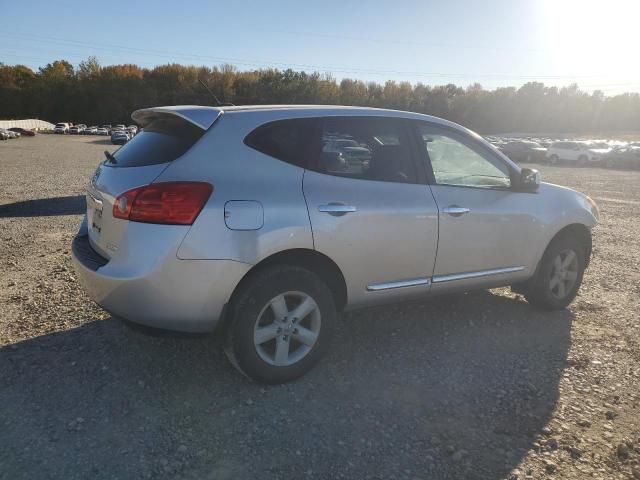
[205, 116]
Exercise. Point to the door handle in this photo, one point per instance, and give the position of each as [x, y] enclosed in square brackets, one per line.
[336, 209]
[455, 210]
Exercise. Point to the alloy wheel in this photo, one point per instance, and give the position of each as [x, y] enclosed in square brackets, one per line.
[287, 328]
[564, 274]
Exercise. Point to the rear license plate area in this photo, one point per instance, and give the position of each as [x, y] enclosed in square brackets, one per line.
[94, 214]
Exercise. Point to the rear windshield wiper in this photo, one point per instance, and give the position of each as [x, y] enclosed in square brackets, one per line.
[110, 157]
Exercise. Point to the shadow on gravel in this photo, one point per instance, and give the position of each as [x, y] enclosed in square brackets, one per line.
[103, 141]
[457, 387]
[45, 207]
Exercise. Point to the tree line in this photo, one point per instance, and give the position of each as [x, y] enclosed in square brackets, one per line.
[95, 94]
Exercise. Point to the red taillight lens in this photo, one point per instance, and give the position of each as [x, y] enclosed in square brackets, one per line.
[171, 203]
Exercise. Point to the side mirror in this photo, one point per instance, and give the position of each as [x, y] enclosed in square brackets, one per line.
[529, 180]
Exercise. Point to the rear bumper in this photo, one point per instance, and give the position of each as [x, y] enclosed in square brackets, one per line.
[169, 293]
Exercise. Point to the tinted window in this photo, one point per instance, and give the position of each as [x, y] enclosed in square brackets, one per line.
[457, 162]
[286, 140]
[368, 148]
[163, 140]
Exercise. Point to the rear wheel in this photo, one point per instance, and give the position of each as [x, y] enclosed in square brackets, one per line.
[559, 275]
[283, 319]
[553, 159]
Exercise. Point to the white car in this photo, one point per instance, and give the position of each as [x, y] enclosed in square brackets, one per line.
[580, 152]
[61, 128]
[102, 131]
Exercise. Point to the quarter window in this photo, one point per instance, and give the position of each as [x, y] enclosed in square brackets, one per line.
[456, 162]
[366, 148]
[286, 140]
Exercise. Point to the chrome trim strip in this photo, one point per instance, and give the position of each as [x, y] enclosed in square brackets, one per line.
[376, 287]
[481, 273]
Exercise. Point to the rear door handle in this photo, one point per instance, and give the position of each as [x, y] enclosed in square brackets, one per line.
[336, 209]
[455, 210]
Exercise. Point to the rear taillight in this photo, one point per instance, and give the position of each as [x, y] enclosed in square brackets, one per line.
[171, 203]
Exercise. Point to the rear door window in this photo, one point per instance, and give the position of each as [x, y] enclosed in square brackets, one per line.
[163, 140]
[366, 148]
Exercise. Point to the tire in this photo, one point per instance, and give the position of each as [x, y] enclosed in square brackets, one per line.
[258, 305]
[544, 290]
[553, 159]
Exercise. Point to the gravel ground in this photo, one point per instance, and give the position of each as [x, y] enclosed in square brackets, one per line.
[467, 386]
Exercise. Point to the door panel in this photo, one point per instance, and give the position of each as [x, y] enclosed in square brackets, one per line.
[387, 234]
[495, 234]
[486, 228]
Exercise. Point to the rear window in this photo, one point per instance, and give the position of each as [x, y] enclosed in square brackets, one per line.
[286, 140]
[162, 141]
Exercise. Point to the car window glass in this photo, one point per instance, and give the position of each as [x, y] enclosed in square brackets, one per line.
[457, 164]
[162, 141]
[286, 140]
[366, 148]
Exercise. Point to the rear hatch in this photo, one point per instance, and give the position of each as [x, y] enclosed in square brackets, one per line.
[167, 134]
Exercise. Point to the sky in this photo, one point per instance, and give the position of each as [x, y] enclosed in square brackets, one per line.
[492, 42]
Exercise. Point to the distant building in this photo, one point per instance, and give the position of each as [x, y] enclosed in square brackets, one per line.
[29, 124]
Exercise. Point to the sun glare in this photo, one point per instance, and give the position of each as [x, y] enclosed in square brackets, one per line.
[593, 38]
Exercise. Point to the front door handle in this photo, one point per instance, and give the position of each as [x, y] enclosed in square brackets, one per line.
[455, 210]
[336, 209]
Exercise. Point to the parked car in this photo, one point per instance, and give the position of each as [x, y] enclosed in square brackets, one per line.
[132, 129]
[119, 137]
[624, 157]
[3, 135]
[523, 151]
[61, 128]
[107, 126]
[10, 134]
[579, 152]
[237, 241]
[90, 130]
[75, 130]
[23, 131]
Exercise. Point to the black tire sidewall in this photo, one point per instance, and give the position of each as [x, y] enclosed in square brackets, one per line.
[253, 297]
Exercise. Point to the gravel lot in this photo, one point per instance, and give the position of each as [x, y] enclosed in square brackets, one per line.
[467, 386]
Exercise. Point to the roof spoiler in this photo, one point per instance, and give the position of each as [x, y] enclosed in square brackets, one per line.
[201, 117]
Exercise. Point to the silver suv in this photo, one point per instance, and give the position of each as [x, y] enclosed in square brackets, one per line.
[263, 222]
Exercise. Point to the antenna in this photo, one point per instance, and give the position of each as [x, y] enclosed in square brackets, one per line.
[218, 102]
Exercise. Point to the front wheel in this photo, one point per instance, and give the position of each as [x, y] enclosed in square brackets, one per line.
[283, 319]
[559, 275]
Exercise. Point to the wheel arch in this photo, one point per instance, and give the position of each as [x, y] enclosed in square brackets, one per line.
[312, 260]
[579, 231]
